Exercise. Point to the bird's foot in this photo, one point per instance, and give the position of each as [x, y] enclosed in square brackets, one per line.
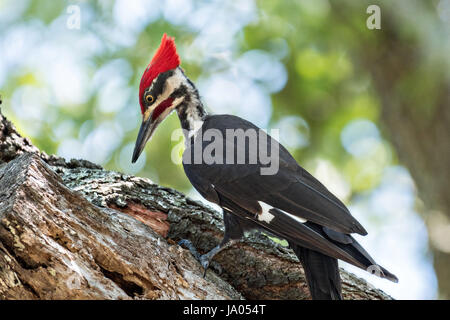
[188, 244]
[204, 259]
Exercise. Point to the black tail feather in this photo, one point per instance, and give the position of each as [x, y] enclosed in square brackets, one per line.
[322, 274]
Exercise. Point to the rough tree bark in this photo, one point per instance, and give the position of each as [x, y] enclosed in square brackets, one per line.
[72, 230]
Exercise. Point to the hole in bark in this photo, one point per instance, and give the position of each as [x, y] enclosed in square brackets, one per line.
[130, 288]
[23, 262]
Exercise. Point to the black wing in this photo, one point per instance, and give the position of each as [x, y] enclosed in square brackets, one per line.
[292, 189]
[290, 193]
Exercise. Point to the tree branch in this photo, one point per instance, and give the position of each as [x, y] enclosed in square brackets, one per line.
[70, 222]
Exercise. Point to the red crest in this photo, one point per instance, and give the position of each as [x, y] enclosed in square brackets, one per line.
[165, 58]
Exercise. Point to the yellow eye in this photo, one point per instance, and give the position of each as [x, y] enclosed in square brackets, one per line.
[149, 98]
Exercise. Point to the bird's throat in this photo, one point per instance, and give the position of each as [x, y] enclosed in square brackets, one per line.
[191, 112]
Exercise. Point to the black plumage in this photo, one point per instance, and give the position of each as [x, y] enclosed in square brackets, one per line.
[288, 203]
[239, 189]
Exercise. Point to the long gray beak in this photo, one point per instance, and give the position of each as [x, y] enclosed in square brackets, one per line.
[145, 132]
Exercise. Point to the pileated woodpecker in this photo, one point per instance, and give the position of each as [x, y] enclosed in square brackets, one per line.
[289, 203]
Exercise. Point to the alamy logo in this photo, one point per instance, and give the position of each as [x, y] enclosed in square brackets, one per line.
[235, 146]
[374, 20]
[74, 19]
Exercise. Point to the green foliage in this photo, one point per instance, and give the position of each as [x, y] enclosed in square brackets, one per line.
[325, 87]
[74, 92]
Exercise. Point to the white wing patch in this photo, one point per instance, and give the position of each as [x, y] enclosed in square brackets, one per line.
[266, 216]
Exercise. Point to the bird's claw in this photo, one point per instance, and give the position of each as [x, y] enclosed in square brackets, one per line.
[205, 264]
[188, 244]
[203, 259]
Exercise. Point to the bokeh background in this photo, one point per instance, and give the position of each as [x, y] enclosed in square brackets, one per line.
[366, 111]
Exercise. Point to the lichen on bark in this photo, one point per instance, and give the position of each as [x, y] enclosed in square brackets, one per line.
[70, 229]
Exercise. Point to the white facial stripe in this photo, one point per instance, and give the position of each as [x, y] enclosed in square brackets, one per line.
[267, 216]
[175, 103]
[172, 83]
